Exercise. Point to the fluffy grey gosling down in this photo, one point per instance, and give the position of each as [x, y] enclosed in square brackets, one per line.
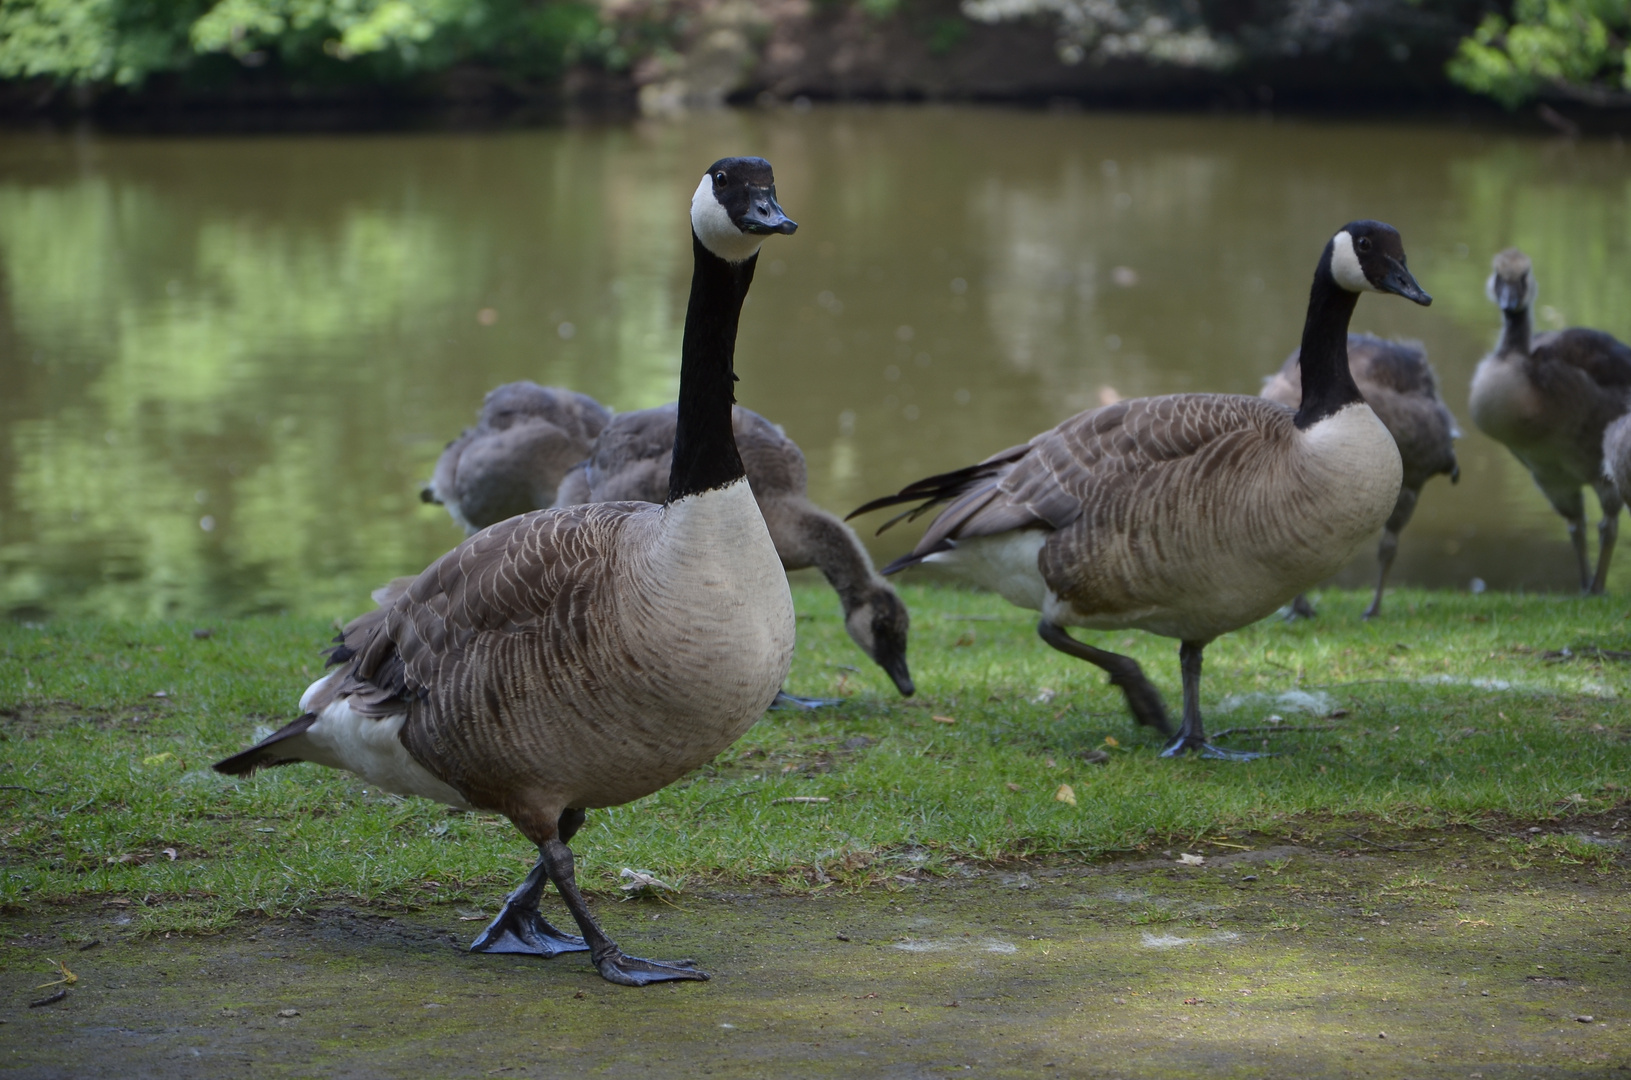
[1617, 456]
[631, 458]
[1189, 515]
[512, 461]
[1398, 384]
[1549, 397]
[570, 659]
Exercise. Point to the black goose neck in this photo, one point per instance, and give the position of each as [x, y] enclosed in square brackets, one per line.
[705, 454]
[1516, 334]
[1328, 385]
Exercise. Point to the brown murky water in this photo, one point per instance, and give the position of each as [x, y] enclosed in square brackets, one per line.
[226, 365]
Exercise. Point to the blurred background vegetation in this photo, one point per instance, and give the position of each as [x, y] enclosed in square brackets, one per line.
[663, 54]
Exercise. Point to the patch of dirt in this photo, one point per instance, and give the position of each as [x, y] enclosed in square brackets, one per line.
[1283, 961]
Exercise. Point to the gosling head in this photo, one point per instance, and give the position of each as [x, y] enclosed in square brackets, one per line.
[1368, 256]
[878, 624]
[1511, 282]
[735, 208]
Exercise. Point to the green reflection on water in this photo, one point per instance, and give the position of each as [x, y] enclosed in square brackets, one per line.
[229, 363]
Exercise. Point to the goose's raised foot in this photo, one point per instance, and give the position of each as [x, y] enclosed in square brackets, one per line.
[1204, 748]
[635, 971]
[784, 700]
[527, 933]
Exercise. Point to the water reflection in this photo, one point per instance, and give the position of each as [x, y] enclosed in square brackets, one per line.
[229, 363]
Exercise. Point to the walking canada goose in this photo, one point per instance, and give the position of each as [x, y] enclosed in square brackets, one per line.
[1189, 515]
[576, 658]
[631, 459]
[1549, 397]
[524, 441]
[1398, 384]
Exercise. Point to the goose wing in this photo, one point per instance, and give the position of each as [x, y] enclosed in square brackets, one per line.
[1602, 357]
[500, 624]
[1094, 466]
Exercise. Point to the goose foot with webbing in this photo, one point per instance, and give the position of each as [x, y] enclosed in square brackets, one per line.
[1191, 737]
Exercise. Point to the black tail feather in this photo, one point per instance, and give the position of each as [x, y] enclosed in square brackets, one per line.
[264, 754]
[912, 558]
[943, 487]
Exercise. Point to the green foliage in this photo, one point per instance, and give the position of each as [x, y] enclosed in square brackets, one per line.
[122, 41]
[1576, 47]
[125, 41]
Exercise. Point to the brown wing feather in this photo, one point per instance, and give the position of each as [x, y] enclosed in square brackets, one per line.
[490, 634]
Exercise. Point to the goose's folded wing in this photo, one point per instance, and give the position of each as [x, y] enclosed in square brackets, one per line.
[535, 573]
[1088, 465]
[1606, 359]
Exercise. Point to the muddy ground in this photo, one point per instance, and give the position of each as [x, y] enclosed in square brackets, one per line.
[1457, 956]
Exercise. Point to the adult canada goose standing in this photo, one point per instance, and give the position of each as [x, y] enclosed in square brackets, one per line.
[1549, 397]
[525, 439]
[1189, 515]
[576, 658]
[1398, 384]
[630, 460]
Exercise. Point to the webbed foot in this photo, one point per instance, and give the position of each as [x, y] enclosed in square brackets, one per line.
[1201, 746]
[615, 966]
[784, 700]
[1299, 608]
[520, 931]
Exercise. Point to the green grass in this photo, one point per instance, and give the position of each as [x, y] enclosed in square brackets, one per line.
[1447, 710]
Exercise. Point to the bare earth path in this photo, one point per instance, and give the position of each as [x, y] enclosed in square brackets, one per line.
[1450, 959]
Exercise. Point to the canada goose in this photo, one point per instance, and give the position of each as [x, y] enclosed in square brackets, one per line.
[1617, 455]
[1549, 397]
[631, 458]
[576, 658]
[525, 440]
[1398, 384]
[1188, 515]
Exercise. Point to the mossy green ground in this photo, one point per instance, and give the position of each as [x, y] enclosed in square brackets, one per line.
[1453, 720]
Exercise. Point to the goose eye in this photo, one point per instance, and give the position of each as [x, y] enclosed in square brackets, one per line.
[1363, 244]
[719, 179]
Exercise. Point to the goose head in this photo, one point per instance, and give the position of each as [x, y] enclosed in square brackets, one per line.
[1368, 256]
[878, 624]
[1511, 284]
[735, 208]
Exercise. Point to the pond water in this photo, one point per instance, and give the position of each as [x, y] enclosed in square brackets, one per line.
[226, 365]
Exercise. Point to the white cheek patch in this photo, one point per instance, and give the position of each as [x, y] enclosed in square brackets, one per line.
[1345, 265]
[715, 228]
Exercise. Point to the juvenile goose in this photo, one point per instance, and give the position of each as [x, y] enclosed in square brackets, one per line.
[584, 657]
[1398, 384]
[1188, 515]
[631, 459]
[1549, 397]
[1617, 456]
[525, 439]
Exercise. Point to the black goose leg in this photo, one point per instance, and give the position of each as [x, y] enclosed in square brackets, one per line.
[520, 928]
[1300, 608]
[1608, 530]
[1577, 540]
[1388, 549]
[556, 859]
[1192, 736]
[1143, 700]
